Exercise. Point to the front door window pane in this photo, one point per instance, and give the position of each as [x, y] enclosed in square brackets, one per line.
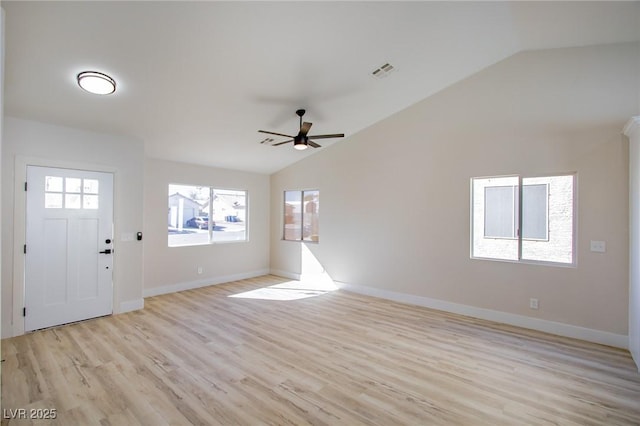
[53, 184]
[73, 185]
[90, 202]
[72, 201]
[52, 201]
[90, 186]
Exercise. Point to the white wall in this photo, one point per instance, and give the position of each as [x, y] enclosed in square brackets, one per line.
[395, 201]
[632, 130]
[169, 269]
[29, 142]
[634, 288]
[1, 124]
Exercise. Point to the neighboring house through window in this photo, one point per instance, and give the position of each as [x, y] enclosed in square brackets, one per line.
[523, 218]
[205, 215]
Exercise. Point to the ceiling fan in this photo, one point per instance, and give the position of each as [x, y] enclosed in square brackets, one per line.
[302, 140]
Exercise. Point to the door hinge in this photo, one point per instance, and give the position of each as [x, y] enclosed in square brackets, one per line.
[25, 249]
[25, 186]
[24, 312]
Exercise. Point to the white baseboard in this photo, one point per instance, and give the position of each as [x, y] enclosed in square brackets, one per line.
[560, 329]
[173, 288]
[7, 332]
[131, 305]
[285, 274]
[636, 359]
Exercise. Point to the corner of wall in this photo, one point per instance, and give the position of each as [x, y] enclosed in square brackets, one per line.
[632, 131]
[130, 305]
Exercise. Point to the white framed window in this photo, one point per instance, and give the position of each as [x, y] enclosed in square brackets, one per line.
[530, 219]
[205, 215]
[301, 216]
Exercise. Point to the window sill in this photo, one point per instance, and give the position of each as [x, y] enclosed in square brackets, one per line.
[529, 262]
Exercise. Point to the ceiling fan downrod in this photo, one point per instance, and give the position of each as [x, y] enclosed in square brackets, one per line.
[300, 113]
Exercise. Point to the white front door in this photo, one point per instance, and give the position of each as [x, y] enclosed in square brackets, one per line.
[69, 260]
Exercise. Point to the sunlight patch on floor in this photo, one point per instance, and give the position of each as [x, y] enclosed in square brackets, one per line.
[314, 282]
[292, 290]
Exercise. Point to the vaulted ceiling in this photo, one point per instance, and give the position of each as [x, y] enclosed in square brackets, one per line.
[196, 80]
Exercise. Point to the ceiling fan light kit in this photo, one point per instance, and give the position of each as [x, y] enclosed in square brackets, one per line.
[301, 141]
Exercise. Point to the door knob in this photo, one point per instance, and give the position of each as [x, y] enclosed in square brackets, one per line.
[107, 251]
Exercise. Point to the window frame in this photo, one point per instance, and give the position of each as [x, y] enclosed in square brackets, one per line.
[210, 229]
[546, 213]
[517, 206]
[520, 259]
[513, 204]
[302, 215]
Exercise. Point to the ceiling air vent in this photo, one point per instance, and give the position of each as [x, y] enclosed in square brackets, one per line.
[383, 71]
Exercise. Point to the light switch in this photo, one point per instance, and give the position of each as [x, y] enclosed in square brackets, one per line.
[598, 246]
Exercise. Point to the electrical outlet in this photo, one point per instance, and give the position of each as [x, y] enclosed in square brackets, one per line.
[533, 303]
[199, 270]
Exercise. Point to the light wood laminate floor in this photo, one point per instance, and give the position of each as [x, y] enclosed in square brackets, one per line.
[202, 357]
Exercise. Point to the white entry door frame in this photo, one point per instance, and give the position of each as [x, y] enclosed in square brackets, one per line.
[17, 326]
[69, 246]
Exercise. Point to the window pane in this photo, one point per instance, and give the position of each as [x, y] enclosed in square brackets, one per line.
[188, 215]
[90, 186]
[311, 215]
[558, 246]
[72, 201]
[547, 219]
[90, 202]
[53, 184]
[203, 215]
[499, 211]
[229, 215]
[534, 210]
[293, 215]
[52, 201]
[73, 185]
[499, 204]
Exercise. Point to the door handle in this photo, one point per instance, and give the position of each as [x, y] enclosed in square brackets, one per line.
[107, 251]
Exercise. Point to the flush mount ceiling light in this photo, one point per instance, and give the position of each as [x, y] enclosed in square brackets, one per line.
[96, 82]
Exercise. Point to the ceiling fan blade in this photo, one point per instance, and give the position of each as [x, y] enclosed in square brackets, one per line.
[335, 135]
[304, 129]
[313, 144]
[274, 133]
[282, 143]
